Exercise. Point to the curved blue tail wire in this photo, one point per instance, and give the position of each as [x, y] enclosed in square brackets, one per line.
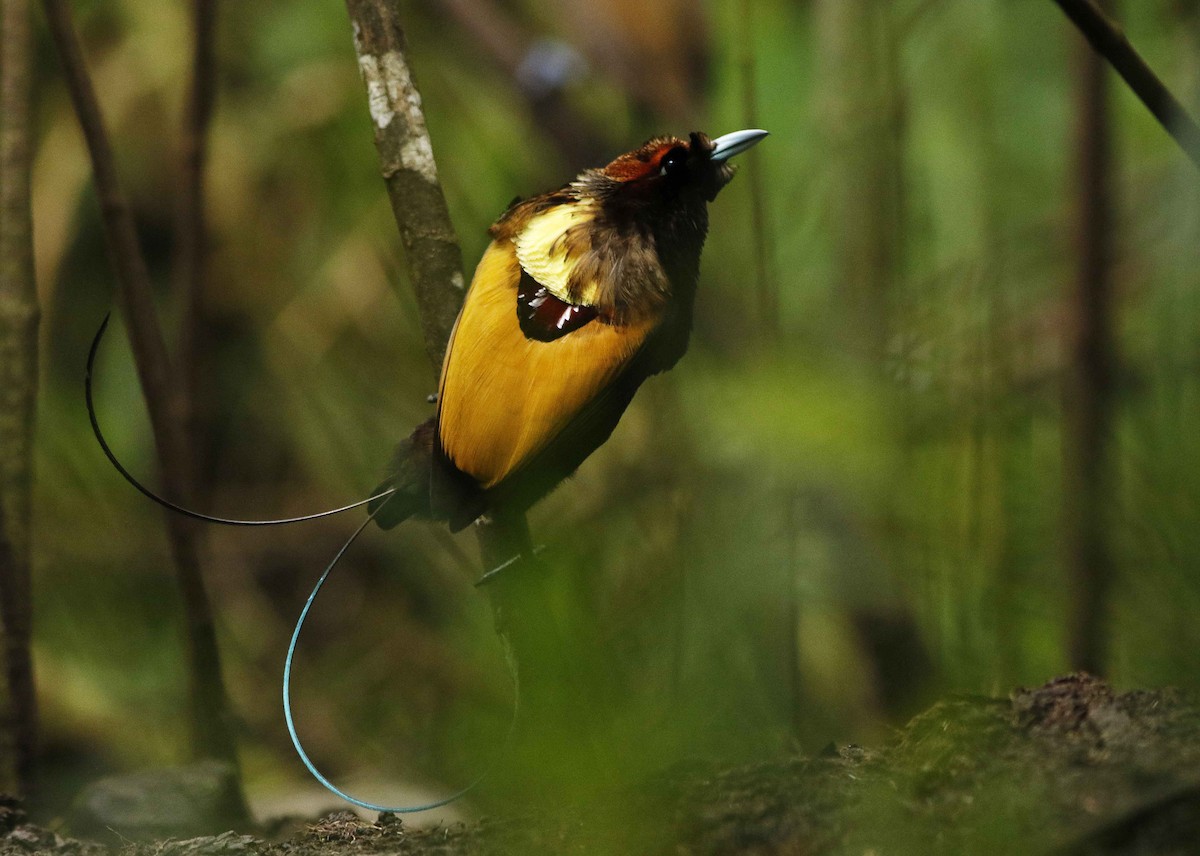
[291, 652]
[291, 724]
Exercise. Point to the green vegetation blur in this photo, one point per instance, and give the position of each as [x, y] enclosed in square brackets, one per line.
[839, 506]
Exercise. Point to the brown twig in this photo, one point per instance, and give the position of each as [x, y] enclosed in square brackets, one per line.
[406, 160]
[1110, 42]
[191, 226]
[19, 317]
[212, 735]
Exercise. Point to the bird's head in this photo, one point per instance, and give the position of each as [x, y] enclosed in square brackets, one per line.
[667, 168]
[625, 237]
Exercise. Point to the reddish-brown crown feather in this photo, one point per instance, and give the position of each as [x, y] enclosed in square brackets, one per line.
[644, 161]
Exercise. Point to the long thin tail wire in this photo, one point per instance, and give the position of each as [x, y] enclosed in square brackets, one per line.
[291, 652]
[166, 503]
[291, 723]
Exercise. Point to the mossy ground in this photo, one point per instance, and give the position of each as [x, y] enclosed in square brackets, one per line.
[1071, 767]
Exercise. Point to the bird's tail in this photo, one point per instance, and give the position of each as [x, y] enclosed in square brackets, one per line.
[409, 476]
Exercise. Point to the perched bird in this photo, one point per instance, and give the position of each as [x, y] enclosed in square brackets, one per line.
[584, 293]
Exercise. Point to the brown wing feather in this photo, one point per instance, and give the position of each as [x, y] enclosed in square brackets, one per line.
[504, 397]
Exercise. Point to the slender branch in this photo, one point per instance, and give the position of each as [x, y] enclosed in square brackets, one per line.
[191, 226]
[210, 721]
[19, 317]
[1110, 42]
[406, 161]
[18, 297]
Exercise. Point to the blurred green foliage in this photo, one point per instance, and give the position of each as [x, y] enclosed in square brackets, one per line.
[726, 566]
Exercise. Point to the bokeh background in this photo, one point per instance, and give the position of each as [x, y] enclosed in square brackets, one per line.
[845, 502]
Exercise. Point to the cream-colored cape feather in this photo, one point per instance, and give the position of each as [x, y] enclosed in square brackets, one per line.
[546, 255]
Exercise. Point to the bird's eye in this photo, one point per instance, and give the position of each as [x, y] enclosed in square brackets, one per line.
[674, 162]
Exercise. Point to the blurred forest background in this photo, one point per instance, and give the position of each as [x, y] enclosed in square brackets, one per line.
[859, 491]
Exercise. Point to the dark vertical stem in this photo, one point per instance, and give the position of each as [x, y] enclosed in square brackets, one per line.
[18, 388]
[211, 726]
[191, 226]
[1088, 415]
[10, 738]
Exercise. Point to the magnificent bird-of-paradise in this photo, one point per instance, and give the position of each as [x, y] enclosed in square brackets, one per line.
[584, 292]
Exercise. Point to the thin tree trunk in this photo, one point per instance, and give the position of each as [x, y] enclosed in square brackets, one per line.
[18, 395]
[406, 160]
[1091, 359]
[209, 718]
[191, 230]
